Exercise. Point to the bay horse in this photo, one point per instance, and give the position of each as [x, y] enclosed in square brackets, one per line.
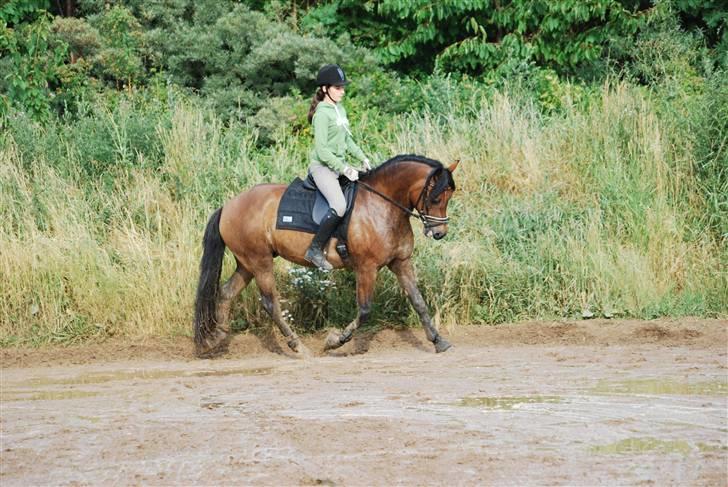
[379, 235]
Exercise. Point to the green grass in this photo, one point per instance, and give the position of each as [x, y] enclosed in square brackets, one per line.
[609, 205]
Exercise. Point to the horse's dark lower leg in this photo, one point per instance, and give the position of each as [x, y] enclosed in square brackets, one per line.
[365, 280]
[229, 291]
[269, 297]
[216, 342]
[336, 339]
[405, 273]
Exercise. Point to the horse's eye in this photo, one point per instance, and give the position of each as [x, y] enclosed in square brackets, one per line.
[436, 201]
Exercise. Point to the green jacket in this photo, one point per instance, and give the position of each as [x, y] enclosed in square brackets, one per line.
[332, 138]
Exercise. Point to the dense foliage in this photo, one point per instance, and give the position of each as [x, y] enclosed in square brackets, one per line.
[241, 55]
[481, 37]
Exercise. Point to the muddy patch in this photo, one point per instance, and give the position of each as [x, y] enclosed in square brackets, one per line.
[637, 446]
[663, 386]
[45, 395]
[506, 402]
[142, 374]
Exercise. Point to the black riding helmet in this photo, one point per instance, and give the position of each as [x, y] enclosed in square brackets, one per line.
[331, 74]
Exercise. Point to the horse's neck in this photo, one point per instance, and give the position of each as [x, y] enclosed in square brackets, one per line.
[399, 182]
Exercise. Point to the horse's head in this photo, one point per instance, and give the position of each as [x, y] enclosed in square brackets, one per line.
[418, 186]
[432, 202]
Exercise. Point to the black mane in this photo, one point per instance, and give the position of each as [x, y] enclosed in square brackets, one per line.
[441, 184]
[405, 158]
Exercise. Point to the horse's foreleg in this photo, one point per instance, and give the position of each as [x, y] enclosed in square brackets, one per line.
[365, 281]
[405, 273]
[269, 297]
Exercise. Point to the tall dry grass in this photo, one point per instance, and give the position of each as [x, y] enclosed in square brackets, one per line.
[593, 209]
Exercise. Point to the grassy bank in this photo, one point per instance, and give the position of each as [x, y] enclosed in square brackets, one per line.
[606, 204]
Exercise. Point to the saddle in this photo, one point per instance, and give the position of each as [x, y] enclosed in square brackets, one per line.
[303, 205]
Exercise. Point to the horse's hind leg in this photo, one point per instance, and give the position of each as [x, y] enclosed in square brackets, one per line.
[269, 295]
[218, 341]
[229, 291]
[365, 280]
[405, 273]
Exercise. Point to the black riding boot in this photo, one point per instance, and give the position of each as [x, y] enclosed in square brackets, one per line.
[315, 253]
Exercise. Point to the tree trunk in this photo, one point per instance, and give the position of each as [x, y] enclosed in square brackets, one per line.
[70, 10]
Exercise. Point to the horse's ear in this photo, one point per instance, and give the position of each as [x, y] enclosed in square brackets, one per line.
[454, 165]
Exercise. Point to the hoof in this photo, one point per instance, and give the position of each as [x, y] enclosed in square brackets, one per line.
[299, 348]
[214, 345]
[442, 345]
[332, 340]
[303, 353]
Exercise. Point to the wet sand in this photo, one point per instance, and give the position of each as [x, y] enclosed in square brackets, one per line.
[539, 403]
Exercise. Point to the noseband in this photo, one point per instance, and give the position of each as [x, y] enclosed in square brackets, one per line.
[428, 221]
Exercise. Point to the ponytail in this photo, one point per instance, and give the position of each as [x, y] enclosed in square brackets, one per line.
[317, 98]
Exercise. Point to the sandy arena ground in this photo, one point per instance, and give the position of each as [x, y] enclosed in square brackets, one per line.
[578, 403]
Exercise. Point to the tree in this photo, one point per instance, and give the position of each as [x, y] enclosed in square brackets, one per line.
[479, 36]
[29, 59]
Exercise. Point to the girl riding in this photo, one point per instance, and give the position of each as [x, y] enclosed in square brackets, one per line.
[332, 140]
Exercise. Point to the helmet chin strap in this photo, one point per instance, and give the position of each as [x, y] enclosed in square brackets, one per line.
[326, 94]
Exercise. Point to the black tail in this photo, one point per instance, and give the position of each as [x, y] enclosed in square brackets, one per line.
[208, 288]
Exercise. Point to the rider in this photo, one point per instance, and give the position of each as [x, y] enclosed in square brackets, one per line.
[332, 139]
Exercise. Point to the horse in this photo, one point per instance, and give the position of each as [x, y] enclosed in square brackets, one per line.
[379, 234]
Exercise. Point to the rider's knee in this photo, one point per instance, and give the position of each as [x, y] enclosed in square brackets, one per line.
[339, 207]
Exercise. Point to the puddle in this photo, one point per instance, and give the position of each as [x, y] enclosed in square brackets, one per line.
[705, 448]
[661, 386]
[92, 419]
[632, 446]
[48, 395]
[507, 402]
[98, 378]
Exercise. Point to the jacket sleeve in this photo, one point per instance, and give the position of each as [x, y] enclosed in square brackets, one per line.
[354, 149]
[320, 144]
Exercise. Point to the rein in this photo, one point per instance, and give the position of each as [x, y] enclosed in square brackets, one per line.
[428, 221]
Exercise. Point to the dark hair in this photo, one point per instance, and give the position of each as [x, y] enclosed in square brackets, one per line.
[317, 98]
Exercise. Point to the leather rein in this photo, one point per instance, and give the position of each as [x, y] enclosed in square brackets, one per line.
[428, 221]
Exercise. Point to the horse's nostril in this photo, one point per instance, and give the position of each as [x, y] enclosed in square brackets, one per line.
[439, 235]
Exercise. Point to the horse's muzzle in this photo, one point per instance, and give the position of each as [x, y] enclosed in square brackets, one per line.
[436, 233]
[434, 226]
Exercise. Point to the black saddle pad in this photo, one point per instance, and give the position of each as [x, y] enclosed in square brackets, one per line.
[296, 209]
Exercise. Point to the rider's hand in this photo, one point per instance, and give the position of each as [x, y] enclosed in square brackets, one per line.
[351, 173]
[367, 165]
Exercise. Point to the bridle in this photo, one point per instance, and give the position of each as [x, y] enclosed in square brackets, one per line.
[428, 221]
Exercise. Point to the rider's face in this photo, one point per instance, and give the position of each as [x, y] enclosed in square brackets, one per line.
[336, 93]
